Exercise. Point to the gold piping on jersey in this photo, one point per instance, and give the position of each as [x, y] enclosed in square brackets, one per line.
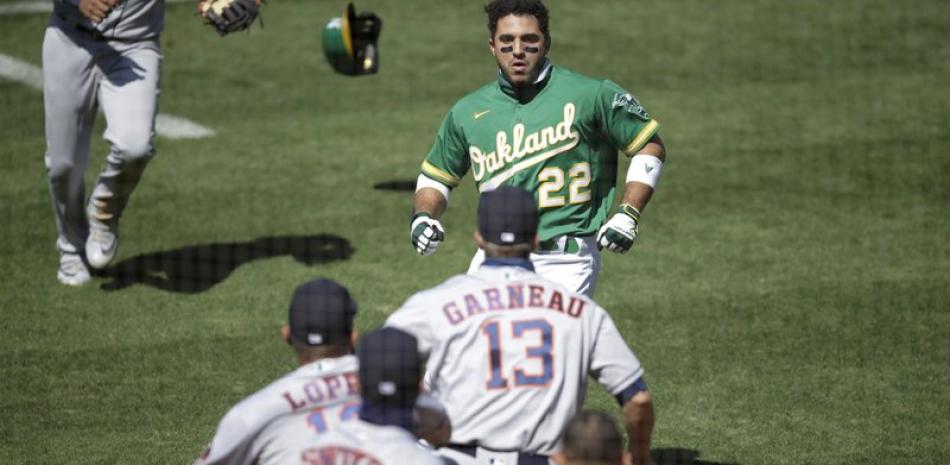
[434, 172]
[645, 134]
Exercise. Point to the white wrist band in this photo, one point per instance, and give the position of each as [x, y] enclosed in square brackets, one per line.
[645, 169]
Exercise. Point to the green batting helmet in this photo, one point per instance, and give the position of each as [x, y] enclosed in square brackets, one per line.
[349, 42]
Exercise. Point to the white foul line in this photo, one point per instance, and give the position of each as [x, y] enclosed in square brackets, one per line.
[170, 126]
[44, 6]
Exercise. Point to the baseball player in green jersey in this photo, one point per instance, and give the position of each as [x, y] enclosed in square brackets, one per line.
[553, 132]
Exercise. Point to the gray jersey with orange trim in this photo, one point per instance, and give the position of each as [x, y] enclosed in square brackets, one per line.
[362, 443]
[295, 409]
[509, 353]
[562, 145]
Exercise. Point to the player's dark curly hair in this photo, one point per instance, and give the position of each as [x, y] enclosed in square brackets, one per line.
[498, 9]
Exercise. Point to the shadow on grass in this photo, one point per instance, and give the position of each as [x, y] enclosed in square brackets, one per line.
[396, 185]
[197, 268]
[676, 456]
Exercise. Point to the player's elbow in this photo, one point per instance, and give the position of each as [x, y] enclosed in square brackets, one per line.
[656, 147]
[638, 410]
[441, 435]
[433, 424]
[638, 418]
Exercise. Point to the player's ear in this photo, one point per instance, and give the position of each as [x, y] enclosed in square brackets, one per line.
[354, 336]
[285, 334]
[536, 243]
[491, 45]
[479, 240]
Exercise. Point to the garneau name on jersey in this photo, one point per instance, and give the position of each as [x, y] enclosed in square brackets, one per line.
[511, 298]
[326, 389]
[523, 145]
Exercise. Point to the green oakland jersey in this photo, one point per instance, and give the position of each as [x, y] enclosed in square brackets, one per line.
[562, 146]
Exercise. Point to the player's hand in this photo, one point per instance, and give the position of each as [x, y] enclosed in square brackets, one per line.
[619, 233]
[426, 233]
[96, 10]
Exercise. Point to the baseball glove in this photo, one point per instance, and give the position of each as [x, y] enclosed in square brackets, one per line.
[227, 16]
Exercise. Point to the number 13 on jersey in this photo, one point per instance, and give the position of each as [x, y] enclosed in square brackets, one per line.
[537, 338]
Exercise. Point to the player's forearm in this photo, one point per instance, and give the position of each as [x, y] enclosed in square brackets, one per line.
[431, 201]
[638, 418]
[434, 427]
[654, 147]
[637, 193]
[432, 422]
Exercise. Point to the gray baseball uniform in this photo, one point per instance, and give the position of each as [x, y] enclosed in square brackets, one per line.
[269, 427]
[113, 65]
[361, 443]
[509, 353]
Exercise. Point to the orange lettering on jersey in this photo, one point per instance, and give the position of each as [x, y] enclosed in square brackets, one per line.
[555, 303]
[494, 299]
[294, 404]
[576, 307]
[515, 296]
[352, 383]
[452, 313]
[324, 389]
[536, 294]
[472, 305]
[313, 392]
[333, 383]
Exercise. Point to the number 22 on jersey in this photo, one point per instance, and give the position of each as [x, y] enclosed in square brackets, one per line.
[537, 338]
[551, 181]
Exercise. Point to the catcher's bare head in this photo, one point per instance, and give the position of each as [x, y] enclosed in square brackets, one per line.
[591, 438]
[320, 323]
[519, 38]
[507, 223]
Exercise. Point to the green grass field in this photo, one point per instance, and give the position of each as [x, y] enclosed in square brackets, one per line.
[789, 294]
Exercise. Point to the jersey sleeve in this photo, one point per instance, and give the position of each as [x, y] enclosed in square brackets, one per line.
[627, 124]
[230, 442]
[447, 161]
[613, 364]
[414, 318]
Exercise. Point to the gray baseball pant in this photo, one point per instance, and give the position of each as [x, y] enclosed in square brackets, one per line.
[80, 74]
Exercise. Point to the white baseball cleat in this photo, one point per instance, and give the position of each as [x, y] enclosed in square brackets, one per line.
[72, 271]
[102, 243]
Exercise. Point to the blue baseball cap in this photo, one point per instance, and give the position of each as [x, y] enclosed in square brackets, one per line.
[507, 216]
[321, 312]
